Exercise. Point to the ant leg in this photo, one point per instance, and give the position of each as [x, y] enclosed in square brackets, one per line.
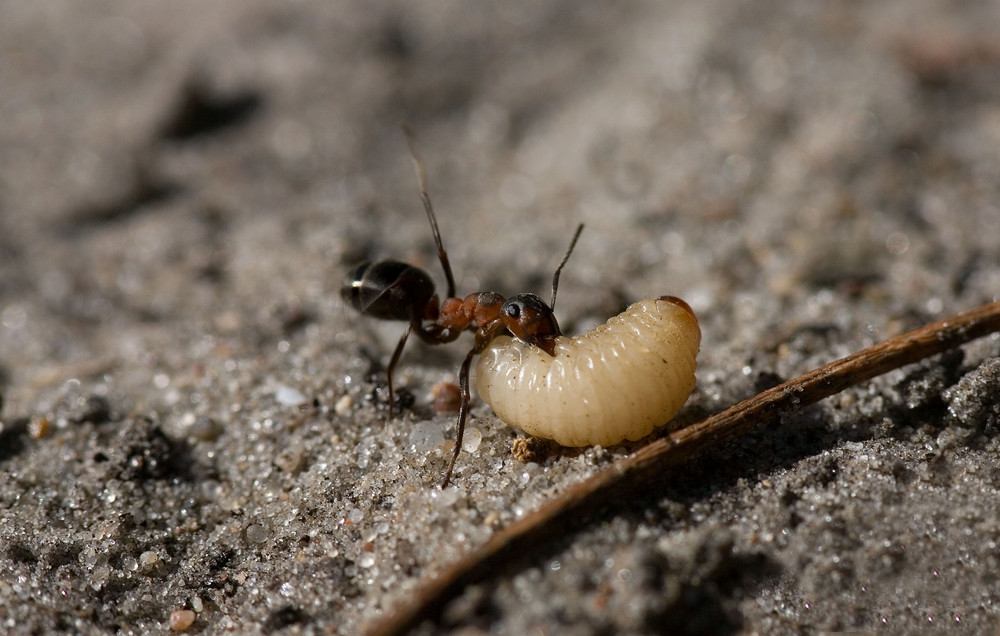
[426, 198]
[555, 277]
[392, 366]
[463, 413]
[483, 338]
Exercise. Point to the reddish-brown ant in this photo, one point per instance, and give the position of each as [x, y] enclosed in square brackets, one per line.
[393, 290]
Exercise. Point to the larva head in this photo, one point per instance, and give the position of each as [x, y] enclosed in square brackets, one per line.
[680, 303]
[528, 318]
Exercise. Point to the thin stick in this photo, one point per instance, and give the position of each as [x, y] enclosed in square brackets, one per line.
[569, 511]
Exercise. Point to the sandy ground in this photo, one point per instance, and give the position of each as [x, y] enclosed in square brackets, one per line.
[194, 420]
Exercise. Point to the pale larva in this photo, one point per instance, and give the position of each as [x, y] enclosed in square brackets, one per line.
[619, 381]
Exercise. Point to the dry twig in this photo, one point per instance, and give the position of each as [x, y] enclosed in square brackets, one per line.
[568, 512]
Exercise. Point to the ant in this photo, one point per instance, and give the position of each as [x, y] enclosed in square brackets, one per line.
[393, 290]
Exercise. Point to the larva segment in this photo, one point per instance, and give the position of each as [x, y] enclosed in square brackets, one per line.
[619, 381]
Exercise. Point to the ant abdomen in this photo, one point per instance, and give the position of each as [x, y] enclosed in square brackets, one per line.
[388, 290]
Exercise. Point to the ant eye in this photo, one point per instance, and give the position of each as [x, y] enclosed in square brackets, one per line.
[513, 311]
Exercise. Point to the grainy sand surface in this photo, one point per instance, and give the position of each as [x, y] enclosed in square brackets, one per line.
[194, 420]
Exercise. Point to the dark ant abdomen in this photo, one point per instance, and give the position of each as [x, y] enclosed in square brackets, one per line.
[388, 290]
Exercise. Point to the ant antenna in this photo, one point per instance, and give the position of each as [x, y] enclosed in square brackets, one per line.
[555, 277]
[422, 178]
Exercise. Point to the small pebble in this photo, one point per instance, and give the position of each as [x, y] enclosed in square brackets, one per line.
[180, 620]
[425, 436]
[447, 397]
[343, 406]
[288, 396]
[532, 449]
[38, 427]
[256, 533]
[205, 428]
[471, 440]
[289, 460]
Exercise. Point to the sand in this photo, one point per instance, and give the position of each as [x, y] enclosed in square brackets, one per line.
[194, 421]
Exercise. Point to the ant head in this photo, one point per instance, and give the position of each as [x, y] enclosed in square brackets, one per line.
[528, 318]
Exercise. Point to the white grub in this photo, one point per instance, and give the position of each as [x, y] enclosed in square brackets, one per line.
[616, 382]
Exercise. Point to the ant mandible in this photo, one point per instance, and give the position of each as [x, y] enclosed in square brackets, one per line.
[393, 290]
